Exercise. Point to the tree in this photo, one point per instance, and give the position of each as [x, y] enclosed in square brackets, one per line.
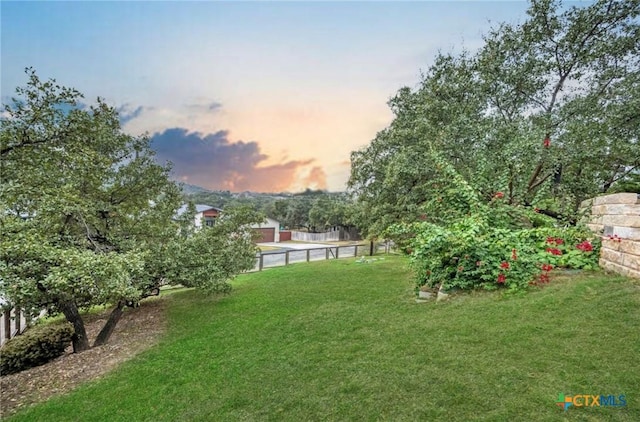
[298, 212]
[544, 113]
[87, 215]
[329, 210]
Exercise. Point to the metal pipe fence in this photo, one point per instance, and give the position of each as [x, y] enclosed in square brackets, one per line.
[292, 256]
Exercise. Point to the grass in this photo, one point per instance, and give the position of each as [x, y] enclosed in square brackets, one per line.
[338, 340]
[268, 248]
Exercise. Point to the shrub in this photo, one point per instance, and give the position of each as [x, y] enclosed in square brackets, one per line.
[36, 346]
[473, 253]
[467, 240]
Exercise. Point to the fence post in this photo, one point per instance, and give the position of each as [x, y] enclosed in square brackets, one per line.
[7, 324]
[337, 252]
[286, 258]
[327, 252]
[308, 255]
[355, 251]
[18, 320]
[261, 262]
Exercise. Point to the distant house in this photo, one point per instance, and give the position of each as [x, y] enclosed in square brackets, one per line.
[269, 230]
[206, 215]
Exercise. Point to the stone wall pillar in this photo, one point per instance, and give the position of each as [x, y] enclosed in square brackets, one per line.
[616, 218]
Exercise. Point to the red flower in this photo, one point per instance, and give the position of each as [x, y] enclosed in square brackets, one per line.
[504, 265]
[514, 255]
[547, 142]
[554, 251]
[615, 238]
[536, 209]
[585, 246]
[547, 267]
[499, 195]
[544, 278]
[554, 241]
[502, 278]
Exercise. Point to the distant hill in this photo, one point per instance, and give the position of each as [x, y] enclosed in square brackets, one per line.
[188, 189]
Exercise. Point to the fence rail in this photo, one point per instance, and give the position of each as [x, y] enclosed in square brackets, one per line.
[291, 256]
[12, 323]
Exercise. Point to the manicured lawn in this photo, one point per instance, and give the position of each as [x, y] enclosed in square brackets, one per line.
[340, 340]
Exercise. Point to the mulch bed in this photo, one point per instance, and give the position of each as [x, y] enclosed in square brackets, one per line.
[139, 329]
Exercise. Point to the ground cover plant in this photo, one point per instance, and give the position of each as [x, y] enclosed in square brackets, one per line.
[342, 340]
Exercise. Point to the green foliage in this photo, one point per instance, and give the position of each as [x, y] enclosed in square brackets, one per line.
[210, 257]
[87, 214]
[329, 211]
[477, 244]
[474, 254]
[36, 346]
[545, 112]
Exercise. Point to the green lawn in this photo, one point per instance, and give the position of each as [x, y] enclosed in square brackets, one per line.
[340, 340]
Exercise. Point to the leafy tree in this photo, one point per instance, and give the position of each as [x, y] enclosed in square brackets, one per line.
[298, 212]
[87, 216]
[329, 211]
[545, 113]
[278, 209]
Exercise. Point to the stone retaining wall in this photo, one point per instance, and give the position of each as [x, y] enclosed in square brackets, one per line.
[616, 218]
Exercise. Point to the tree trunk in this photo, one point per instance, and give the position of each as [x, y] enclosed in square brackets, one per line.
[80, 340]
[110, 325]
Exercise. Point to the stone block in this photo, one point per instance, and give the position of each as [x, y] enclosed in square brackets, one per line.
[611, 255]
[629, 233]
[598, 210]
[425, 295]
[618, 198]
[631, 261]
[621, 220]
[619, 269]
[618, 209]
[595, 219]
[628, 246]
[608, 244]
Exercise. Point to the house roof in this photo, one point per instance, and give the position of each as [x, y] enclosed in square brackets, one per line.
[199, 208]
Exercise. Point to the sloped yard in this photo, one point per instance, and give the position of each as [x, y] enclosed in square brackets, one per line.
[342, 340]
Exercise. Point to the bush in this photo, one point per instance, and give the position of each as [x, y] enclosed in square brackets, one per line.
[36, 346]
[473, 253]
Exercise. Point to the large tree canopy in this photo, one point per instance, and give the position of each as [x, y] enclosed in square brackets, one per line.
[547, 113]
[87, 216]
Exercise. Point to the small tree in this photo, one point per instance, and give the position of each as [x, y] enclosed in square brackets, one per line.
[87, 216]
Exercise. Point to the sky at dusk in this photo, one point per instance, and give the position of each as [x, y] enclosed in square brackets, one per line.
[262, 96]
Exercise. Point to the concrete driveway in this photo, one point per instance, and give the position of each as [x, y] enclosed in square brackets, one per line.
[296, 246]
